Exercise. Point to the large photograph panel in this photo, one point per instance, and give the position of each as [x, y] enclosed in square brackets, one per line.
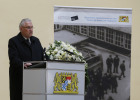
[104, 38]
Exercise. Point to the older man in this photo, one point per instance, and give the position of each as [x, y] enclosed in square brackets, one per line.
[22, 47]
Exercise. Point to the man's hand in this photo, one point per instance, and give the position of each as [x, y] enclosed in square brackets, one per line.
[27, 64]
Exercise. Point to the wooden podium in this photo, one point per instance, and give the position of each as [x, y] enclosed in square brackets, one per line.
[54, 80]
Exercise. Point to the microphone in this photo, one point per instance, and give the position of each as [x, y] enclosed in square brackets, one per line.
[44, 50]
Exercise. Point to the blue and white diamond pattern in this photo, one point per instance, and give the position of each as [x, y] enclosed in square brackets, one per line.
[64, 85]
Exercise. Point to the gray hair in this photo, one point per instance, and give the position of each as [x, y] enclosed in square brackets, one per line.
[23, 21]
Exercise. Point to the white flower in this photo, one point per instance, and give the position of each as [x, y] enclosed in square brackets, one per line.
[64, 44]
[69, 57]
[71, 50]
[80, 54]
[60, 57]
[73, 56]
[53, 53]
[51, 57]
[48, 53]
[56, 50]
[53, 45]
[75, 51]
[78, 59]
[57, 55]
[63, 53]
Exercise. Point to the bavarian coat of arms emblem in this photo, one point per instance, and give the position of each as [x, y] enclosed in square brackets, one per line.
[66, 83]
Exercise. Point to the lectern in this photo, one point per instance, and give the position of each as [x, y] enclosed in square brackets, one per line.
[54, 80]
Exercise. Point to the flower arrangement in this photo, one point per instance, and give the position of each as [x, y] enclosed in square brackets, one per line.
[64, 51]
[60, 50]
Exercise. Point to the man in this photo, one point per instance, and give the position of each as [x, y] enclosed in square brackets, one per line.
[116, 64]
[114, 83]
[109, 63]
[105, 83]
[21, 48]
[122, 67]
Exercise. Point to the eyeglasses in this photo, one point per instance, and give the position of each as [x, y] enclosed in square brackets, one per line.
[29, 27]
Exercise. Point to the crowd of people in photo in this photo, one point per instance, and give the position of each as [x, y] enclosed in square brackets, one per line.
[102, 83]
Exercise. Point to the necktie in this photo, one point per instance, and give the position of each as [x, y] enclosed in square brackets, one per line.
[28, 42]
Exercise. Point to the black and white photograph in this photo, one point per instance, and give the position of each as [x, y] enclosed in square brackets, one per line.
[103, 36]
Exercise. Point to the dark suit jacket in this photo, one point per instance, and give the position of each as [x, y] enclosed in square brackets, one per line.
[20, 51]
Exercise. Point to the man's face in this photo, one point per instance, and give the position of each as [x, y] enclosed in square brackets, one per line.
[27, 29]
